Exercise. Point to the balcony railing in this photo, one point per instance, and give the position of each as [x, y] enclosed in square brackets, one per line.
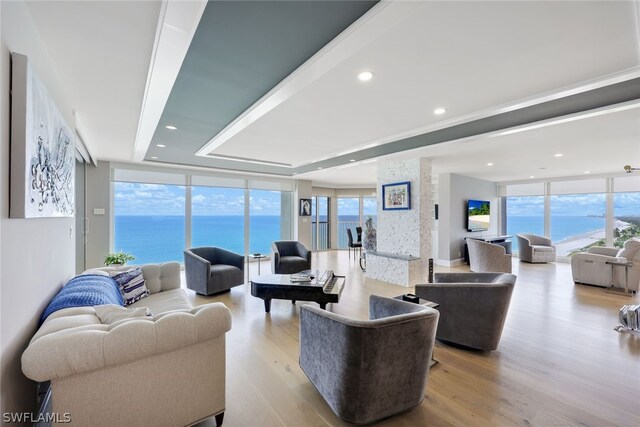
[321, 241]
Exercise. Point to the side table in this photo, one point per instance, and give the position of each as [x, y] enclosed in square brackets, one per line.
[622, 263]
[257, 256]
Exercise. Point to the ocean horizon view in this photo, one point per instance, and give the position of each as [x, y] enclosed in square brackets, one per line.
[161, 238]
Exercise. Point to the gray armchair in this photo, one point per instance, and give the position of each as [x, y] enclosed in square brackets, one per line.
[289, 257]
[473, 306]
[368, 370]
[486, 257]
[535, 249]
[211, 270]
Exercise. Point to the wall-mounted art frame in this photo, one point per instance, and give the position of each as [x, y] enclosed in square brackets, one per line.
[305, 207]
[42, 149]
[396, 196]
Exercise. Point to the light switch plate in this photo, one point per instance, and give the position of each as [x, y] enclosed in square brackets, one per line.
[98, 211]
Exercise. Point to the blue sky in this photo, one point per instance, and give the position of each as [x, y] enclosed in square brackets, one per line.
[625, 204]
[153, 199]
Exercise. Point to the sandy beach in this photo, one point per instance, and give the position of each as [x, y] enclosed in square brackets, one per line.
[571, 243]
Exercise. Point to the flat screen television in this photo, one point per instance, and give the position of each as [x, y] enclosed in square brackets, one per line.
[478, 215]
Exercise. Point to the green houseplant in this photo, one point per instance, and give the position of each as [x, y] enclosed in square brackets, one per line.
[118, 258]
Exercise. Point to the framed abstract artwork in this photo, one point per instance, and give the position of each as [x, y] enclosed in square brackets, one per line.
[396, 196]
[305, 207]
[42, 149]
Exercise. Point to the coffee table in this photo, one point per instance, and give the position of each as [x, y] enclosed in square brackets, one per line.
[323, 289]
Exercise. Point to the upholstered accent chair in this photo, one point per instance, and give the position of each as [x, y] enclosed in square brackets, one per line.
[355, 245]
[367, 370]
[473, 307]
[594, 266]
[535, 249]
[211, 270]
[289, 257]
[486, 257]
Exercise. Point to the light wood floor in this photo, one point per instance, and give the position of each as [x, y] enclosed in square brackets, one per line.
[559, 363]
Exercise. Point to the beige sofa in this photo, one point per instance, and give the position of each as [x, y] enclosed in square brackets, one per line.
[163, 370]
[595, 267]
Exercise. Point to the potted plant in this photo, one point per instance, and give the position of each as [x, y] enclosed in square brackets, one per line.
[118, 259]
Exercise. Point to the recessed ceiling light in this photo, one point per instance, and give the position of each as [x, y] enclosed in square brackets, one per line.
[295, 173]
[531, 177]
[319, 168]
[153, 157]
[365, 76]
[542, 169]
[557, 155]
[439, 111]
[587, 171]
[160, 145]
[171, 127]
[490, 164]
[352, 160]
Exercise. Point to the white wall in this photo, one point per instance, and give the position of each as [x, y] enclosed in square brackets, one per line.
[454, 191]
[37, 255]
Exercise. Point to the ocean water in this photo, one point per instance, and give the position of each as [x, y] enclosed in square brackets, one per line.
[160, 238]
[561, 226]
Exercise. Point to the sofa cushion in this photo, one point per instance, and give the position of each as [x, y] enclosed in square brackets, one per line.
[173, 299]
[132, 285]
[110, 313]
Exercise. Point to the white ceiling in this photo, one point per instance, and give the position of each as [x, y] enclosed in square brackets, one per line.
[465, 56]
[101, 51]
[600, 145]
[471, 57]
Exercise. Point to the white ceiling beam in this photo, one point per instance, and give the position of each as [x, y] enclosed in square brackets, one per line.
[176, 27]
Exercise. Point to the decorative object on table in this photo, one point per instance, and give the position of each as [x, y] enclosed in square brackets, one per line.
[367, 370]
[118, 259]
[411, 298]
[535, 249]
[289, 257]
[305, 207]
[42, 149]
[369, 242]
[210, 270]
[396, 196]
[629, 317]
[462, 320]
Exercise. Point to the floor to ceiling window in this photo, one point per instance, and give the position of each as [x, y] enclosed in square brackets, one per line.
[218, 218]
[626, 213]
[153, 222]
[348, 218]
[525, 214]
[149, 221]
[266, 219]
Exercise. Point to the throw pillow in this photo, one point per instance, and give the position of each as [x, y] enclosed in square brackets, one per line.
[132, 285]
[110, 313]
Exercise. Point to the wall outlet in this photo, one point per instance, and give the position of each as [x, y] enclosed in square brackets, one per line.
[98, 211]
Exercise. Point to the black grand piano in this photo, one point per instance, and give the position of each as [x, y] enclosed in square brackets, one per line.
[322, 287]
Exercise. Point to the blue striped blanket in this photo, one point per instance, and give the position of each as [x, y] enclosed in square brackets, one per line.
[86, 290]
